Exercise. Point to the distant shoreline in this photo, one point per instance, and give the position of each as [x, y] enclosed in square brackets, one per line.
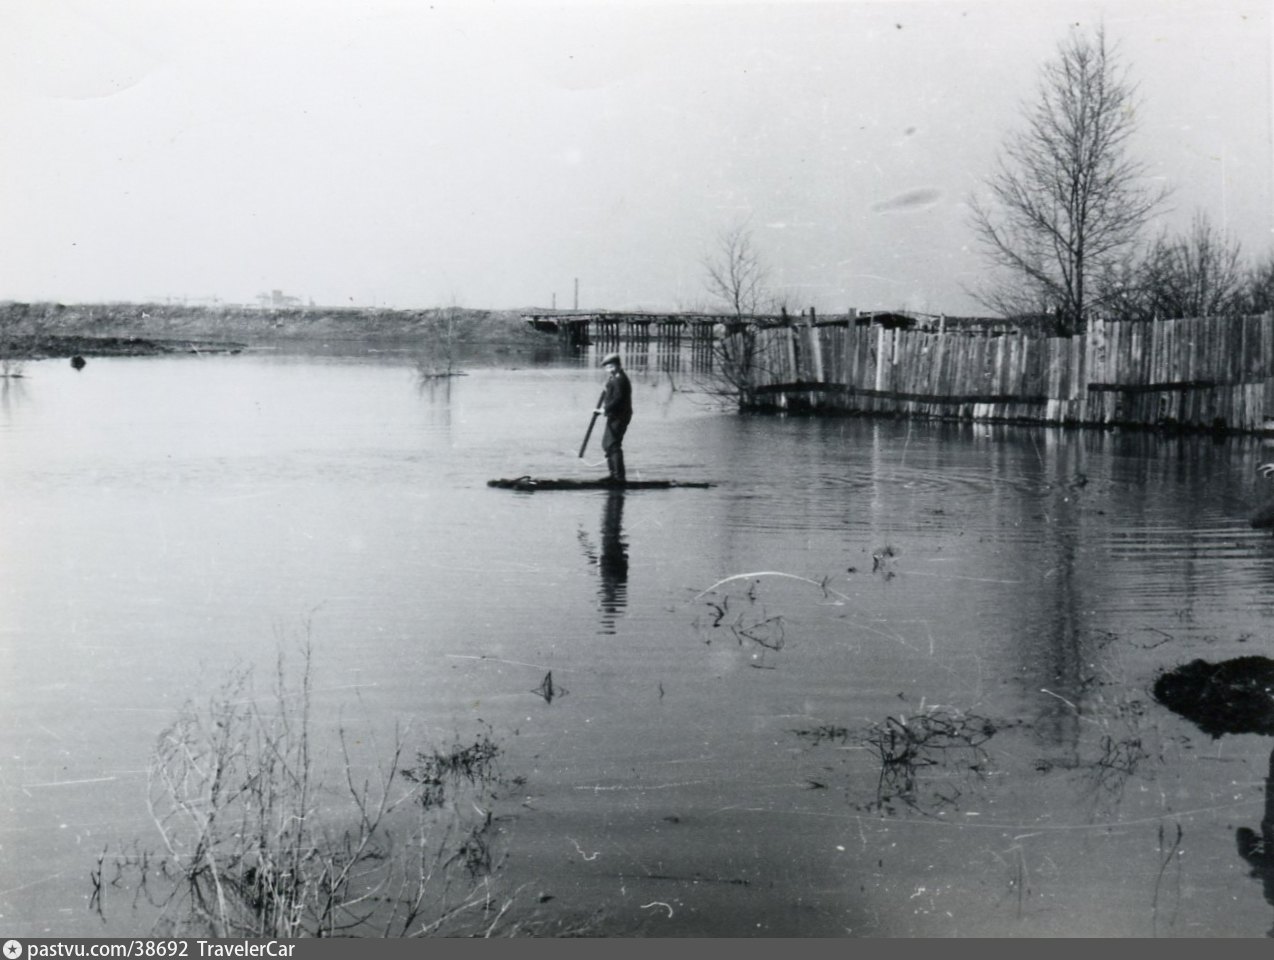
[41, 330]
[50, 346]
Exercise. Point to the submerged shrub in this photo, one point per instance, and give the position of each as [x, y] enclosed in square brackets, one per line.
[256, 844]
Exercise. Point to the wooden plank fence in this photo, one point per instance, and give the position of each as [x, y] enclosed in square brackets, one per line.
[1205, 373]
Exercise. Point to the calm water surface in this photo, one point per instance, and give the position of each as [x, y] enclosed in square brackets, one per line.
[883, 679]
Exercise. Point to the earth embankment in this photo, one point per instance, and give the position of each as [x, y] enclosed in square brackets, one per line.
[38, 330]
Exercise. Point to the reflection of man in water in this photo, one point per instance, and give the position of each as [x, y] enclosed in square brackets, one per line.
[1258, 851]
[613, 562]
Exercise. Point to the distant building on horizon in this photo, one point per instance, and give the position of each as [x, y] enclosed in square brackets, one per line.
[277, 300]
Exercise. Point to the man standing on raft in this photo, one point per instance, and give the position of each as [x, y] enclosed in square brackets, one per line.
[617, 406]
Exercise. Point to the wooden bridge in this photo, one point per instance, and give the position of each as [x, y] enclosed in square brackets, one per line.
[578, 329]
[635, 334]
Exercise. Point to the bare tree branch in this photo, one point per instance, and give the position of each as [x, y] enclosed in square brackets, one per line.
[734, 273]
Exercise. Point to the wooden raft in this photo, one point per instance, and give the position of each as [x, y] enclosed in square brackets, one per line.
[544, 483]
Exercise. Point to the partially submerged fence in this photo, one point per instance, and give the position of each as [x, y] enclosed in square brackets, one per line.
[1209, 373]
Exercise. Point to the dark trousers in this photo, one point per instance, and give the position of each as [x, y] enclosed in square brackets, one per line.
[612, 446]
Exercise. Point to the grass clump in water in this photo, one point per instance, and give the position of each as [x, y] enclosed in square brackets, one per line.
[254, 842]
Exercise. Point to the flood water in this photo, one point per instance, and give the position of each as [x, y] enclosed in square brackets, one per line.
[883, 679]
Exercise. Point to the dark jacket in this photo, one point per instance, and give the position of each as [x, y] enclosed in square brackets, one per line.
[617, 399]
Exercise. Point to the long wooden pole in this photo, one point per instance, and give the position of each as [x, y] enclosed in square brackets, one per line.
[592, 423]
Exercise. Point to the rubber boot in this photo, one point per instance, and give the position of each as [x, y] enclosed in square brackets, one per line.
[617, 467]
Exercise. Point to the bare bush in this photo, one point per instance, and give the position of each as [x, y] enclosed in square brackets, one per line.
[255, 843]
[1196, 275]
[1259, 287]
[19, 329]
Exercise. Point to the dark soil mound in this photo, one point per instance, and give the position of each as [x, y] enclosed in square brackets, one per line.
[1234, 696]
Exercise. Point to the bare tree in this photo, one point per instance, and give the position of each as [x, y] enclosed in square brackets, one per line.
[734, 272]
[734, 276]
[1065, 200]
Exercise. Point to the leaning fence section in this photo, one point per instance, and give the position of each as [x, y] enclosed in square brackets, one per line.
[1211, 373]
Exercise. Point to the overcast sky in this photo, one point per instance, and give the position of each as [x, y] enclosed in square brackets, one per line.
[487, 153]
